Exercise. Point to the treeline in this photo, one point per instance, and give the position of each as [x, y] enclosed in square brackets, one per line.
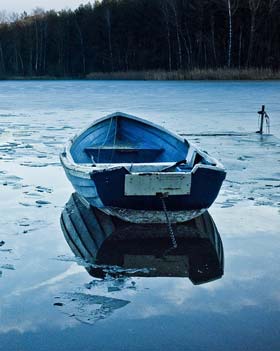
[142, 35]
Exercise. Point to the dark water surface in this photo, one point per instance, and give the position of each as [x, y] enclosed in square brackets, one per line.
[49, 301]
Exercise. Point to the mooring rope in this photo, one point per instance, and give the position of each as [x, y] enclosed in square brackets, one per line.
[267, 120]
[169, 227]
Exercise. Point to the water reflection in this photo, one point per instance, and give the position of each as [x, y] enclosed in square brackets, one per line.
[112, 247]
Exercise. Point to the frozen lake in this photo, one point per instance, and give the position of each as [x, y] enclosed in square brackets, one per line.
[239, 311]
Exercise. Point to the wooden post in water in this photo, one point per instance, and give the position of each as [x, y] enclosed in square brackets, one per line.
[262, 113]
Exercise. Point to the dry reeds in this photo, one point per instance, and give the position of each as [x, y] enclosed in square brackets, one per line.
[194, 74]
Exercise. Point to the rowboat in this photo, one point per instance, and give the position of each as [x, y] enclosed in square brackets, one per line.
[136, 170]
[108, 245]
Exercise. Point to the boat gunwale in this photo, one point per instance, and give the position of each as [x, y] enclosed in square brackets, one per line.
[87, 168]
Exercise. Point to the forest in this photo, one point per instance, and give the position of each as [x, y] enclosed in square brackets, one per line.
[141, 35]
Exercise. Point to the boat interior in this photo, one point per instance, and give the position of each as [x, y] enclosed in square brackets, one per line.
[123, 140]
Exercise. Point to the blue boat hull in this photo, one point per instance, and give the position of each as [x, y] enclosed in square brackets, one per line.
[106, 189]
[124, 166]
[205, 187]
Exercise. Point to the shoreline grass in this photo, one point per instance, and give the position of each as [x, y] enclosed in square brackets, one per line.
[195, 74]
[222, 74]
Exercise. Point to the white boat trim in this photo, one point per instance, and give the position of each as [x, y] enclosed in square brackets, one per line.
[84, 170]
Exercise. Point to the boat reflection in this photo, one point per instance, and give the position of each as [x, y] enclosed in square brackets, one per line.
[112, 246]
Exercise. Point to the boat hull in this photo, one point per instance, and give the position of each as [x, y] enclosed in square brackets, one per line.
[106, 191]
[136, 170]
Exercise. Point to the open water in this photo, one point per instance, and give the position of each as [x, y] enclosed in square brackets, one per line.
[48, 301]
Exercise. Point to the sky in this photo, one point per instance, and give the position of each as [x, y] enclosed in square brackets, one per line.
[28, 5]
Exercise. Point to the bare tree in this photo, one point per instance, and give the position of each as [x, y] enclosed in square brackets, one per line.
[231, 7]
[229, 32]
[109, 31]
[273, 5]
[166, 18]
[3, 16]
[253, 6]
[212, 22]
[81, 39]
[240, 46]
[13, 17]
[37, 16]
[3, 20]
[2, 60]
[173, 6]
